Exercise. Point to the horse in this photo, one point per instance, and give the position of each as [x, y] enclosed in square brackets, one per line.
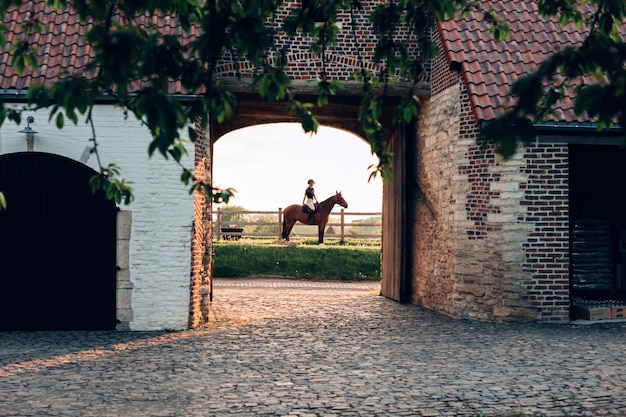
[294, 213]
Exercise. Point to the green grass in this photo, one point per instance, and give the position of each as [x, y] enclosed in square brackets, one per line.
[350, 262]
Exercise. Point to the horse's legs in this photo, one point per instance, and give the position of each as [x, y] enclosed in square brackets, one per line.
[320, 233]
[287, 229]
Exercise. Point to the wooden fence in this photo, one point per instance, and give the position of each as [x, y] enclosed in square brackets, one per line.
[232, 225]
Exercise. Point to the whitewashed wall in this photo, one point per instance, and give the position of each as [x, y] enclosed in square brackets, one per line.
[162, 212]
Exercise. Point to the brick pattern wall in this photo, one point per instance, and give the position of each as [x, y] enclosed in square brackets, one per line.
[546, 198]
[491, 237]
[476, 221]
[477, 165]
[442, 77]
[160, 247]
[342, 59]
[201, 249]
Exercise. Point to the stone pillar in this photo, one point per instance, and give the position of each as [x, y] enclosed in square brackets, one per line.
[124, 306]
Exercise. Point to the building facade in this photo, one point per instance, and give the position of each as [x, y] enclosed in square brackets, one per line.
[468, 233]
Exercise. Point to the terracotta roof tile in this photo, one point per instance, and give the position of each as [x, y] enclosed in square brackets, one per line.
[61, 44]
[489, 67]
[492, 67]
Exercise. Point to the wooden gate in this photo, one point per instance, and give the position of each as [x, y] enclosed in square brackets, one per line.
[57, 246]
[394, 239]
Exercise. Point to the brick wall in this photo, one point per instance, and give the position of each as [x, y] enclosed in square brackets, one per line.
[342, 59]
[546, 198]
[154, 291]
[492, 235]
[202, 257]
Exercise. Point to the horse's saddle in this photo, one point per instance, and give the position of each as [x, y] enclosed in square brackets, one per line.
[306, 209]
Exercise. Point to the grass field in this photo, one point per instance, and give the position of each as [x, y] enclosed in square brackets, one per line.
[350, 261]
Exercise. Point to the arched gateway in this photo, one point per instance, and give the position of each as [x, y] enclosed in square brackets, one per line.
[341, 112]
[58, 245]
[351, 53]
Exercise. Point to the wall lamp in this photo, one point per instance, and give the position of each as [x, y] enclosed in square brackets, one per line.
[30, 134]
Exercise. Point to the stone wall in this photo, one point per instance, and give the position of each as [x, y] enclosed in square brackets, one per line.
[491, 235]
[435, 253]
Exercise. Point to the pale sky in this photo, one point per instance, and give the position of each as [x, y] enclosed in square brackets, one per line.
[269, 166]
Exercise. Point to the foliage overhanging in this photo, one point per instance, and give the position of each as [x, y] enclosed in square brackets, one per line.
[127, 52]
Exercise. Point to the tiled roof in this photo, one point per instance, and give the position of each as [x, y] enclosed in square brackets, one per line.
[489, 68]
[61, 45]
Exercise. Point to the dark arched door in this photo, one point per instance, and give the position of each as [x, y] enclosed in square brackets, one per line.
[57, 246]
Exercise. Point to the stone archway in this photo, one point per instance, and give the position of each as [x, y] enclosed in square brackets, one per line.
[342, 113]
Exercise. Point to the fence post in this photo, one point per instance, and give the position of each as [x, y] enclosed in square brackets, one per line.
[342, 226]
[280, 223]
[219, 224]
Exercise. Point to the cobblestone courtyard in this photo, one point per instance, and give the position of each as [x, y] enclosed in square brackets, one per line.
[288, 348]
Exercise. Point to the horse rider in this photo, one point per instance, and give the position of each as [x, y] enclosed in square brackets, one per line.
[309, 200]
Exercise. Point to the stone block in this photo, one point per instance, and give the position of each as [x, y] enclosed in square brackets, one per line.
[501, 217]
[124, 222]
[122, 326]
[125, 314]
[124, 298]
[123, 278]
[504, 186]
[525, 313]
[469, 274]
[474, 289]
[204, 290]
[499, 311]
[122, 254]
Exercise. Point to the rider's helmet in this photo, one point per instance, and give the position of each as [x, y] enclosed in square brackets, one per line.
[311, 182]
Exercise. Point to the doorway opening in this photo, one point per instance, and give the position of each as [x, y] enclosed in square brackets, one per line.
[58, 245]
[269, 165]
[597, 225]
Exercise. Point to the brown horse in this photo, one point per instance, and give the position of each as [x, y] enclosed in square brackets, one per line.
[294, 213]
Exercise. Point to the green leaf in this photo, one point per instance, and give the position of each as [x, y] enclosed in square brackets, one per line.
[60, 120]
[587, 99]
[186, 176]
[309, 123]
[192, 134]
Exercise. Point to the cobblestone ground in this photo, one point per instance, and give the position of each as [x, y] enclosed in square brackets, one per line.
[287, 348]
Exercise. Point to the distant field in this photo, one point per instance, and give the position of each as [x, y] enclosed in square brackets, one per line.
[350, 261]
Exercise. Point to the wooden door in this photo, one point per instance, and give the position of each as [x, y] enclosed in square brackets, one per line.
[394, 242]
[57, 246]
